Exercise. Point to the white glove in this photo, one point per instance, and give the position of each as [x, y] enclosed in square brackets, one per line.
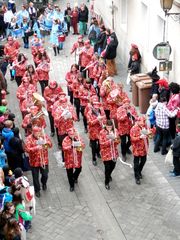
[68, 116]
[40, 141]
[76, 143]
[143, 136]
[99, 117]
[95, 84]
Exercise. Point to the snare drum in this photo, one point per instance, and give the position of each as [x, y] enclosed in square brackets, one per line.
[18, 33]
[61, 38]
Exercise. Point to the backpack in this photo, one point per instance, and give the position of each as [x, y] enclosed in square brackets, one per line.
[92, 35]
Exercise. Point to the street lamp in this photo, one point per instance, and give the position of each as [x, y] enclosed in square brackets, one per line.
[166, 5]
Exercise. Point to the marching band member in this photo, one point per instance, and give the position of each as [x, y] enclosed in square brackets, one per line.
[11, 50]
[35, 117]
[43, 73]
[37, 145]
[126, 115]
[96, 118]
[27, 103]
[19, 65]
[86, 54]
[77, 46]
[139, 141]
[107, 86]
[23, 89]
[32, 75]
[71, 76]
[64, 116]
[73, 146]
[76, 92]
[109, 140]
[51, 95]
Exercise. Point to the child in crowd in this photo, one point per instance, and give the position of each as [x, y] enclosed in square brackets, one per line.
[150, 112]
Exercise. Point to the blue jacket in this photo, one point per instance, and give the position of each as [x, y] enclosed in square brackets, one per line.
[7, 134]
[2, 158]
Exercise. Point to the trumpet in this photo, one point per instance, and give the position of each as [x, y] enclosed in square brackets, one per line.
[43, 112]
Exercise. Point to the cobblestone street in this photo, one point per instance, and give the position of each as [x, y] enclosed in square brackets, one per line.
[128, 211]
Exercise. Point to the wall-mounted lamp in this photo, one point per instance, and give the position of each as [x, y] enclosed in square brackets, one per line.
[166, 5]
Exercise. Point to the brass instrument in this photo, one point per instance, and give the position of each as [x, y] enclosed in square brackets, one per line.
[38, 98]
[115, 94]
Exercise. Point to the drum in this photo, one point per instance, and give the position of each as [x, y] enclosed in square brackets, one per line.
[61, 38]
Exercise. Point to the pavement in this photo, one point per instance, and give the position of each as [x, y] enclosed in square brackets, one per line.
[150, 211]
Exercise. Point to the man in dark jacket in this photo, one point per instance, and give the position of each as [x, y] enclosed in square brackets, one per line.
[101, 40]
[110, 52]
[176, 154]
[83, 19]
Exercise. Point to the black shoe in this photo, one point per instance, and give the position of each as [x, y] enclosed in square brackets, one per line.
[98, 155]
[128, 151]
[107, 186]
[110, 179]
[85, 130]
[94, 163]
[38, 194]
[44, 187]
[138, 182]
[140, 176]
[71, 189]
[124, 158]
[52, 134]
[164, 152]
[156, 150]
[75, 181]
[12, 79]
[78, 119]
[7, 92]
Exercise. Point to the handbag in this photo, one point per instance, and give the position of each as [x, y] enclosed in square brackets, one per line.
[169, 157]
[29, 33]
[25, 166]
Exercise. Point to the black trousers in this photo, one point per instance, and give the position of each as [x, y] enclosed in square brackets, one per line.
[107, 112]
[172, 127]
[77, 106]
[70, 94]
[73, 175]
[139, 162]
[95, 147]
[84, 117]
[43, 84]
[35, 175]
[51, 120]
[26, 40]
[125, 144]
[84, 73]
[109, 167]
[18, 80]
[176, 163]
[162, 138]
[61, 138]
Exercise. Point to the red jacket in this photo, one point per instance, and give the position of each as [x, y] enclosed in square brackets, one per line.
[76, 88]
[138, 144]
[70, 78]
[33, 78]
[20, 68]
[43, 71]
[60, 121]
[51, 96]
[72, 155]
[38, 157]
[94, 125]
[86, 56]
[108, 148]
[28, 119]
[12, 51]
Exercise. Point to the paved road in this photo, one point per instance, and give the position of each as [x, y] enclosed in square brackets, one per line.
[150, 211]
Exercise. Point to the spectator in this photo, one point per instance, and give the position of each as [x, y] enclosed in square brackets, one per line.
[74, 20]
[176, 154]
[134, 52]
[110, 52]
[3, 156]
[12, 5]
[155, 77]
[163, 89]
[83, 19]
[12, 230]
[100, 43]
[174, 102]
[134, 68]
[32, 13]
[162, 115]
[67, 16]
[94, 32]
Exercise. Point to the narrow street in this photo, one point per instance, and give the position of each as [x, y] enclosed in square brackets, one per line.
[150, 211]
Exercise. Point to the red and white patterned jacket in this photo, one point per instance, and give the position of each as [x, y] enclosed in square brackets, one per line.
[51, 96]
[28, 120]
[94, 125]
[70, 78]
[33, 78]
[38, 157]
[12, 51]
[86, 56]
[138, 144]
[108, 148]
[60, 122]
[72, 157]
[43, 71]
[20, 68]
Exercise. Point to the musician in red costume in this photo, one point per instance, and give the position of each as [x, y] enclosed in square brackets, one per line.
[43, 73]
[85, 54]
[64, 116]
[96, 118]
[107, 86]
[109, 140]
[77, 46]
[73, 146]
[20, 66]
[51, 95]
[27, 103]
[33, 119]
[76, 93]
[71, 76]
[32, 75]
[126, 116]
[11, 50]
[37, 145]
[139, 141]
[23, 90]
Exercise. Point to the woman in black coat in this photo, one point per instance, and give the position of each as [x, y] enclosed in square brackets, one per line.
[101, 41]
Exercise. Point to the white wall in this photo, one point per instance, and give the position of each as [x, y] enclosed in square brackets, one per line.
[143, 26]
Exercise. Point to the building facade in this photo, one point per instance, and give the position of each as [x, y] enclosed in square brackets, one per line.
[142, 22]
